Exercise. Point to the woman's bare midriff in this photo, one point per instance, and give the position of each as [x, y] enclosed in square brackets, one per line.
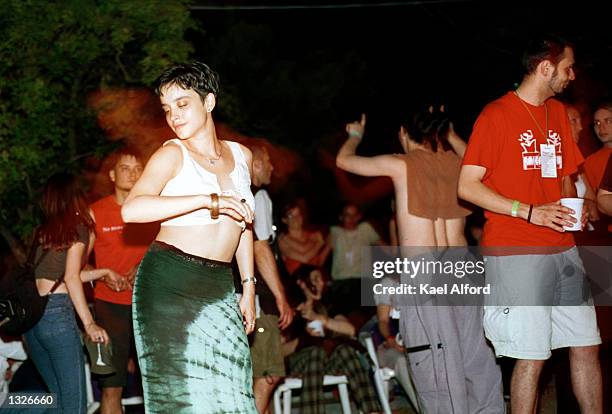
[217, 241]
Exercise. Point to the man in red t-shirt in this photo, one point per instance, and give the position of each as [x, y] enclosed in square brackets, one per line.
[595, 163]
[119, 247]
[517, 167]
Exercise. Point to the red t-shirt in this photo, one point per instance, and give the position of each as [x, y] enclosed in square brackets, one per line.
[595, 165]
[506, 141]
[118, 246]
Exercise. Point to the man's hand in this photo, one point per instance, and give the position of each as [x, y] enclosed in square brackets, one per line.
[390, 342]
[131, 276]
[554, 216]
[357, 128]
[115, 281]
[286, 313]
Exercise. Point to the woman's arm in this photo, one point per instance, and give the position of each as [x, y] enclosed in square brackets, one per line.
[387, 165]
[456, 142]
[144, 204]
[244, 259]
[323, 251]
[72, 278]
[113, 279]
[339, 324]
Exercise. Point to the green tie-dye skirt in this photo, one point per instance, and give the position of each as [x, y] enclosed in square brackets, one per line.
[192, 349]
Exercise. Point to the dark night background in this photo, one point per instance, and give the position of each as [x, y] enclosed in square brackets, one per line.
[293, 72]
[303, 72]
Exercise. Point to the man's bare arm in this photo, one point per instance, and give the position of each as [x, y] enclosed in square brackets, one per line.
[264, 260]
[471, 188]
[387, 165]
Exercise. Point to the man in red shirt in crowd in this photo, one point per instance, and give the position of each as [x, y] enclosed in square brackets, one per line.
[595, 163]
[517, 167]
[119, 247]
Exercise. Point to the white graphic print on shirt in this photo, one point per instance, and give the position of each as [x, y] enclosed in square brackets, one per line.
[531, 153]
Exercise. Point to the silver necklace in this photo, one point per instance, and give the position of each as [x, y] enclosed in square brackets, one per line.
[212, 161]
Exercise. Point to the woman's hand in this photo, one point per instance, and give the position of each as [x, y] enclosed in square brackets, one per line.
[247, 308]
[115, 281]
[96, 333]
[236, 208]
[310, 295]
[357, 128]
[307, 312]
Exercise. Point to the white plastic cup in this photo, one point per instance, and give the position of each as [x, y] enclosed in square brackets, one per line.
[575, 204]
[317, 326]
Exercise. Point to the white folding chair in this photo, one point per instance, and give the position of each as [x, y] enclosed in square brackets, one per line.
[93, 405]
[283, 391]
[382, 377]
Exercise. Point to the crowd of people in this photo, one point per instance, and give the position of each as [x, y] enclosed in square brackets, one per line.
[196, 291]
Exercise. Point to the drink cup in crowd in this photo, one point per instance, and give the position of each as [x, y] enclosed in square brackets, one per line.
[100, 356]
[316, 326]
[575, 204]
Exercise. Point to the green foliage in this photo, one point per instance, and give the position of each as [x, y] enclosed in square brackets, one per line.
[53, 54]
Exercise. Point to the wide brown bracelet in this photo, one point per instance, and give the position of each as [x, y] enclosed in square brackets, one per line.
[214, 206]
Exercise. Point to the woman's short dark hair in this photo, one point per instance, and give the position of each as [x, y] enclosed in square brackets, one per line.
[195, 75]
[546, 47]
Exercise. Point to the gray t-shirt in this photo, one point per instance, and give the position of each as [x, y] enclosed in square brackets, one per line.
[53, 265]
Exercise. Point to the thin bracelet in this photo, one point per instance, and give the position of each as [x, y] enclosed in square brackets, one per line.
[529, 215]
[214, 206]
[249, 279]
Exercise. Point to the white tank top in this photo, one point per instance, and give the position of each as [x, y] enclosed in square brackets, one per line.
[193, 179]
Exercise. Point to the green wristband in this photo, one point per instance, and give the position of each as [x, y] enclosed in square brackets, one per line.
[515, 207]
[355, 134]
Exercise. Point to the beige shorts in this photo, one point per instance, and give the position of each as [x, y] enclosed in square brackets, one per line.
[538, 303]
[266, 352]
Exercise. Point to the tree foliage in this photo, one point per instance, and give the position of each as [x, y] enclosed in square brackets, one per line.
[53, 54]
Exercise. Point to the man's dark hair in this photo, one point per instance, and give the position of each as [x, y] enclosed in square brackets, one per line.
[128, 151]
[196, 75]
[429, 127]
[546, 47]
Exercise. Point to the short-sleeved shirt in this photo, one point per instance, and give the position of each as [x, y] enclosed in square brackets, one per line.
[606, 180]
[506, 141]
[263, 225]
[349, 248]
[119, 246]
[53, 264]
[595, 164]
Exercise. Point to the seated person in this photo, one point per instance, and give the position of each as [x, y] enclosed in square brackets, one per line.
[299, 245]
[317, 344]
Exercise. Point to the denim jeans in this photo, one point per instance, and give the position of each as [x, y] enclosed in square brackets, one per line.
[56, 349]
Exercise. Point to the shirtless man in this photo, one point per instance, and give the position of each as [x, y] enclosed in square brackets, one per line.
[454, 370]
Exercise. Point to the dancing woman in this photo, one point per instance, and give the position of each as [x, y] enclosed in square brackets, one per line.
[189, 329]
